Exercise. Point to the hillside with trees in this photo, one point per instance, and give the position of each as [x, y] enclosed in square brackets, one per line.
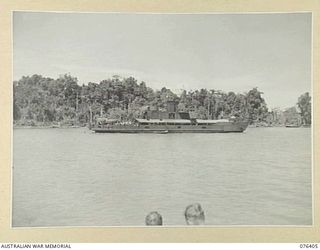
[42, 100]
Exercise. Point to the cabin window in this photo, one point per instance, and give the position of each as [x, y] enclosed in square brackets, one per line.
[179, 126]
[204, 127]
[146, 127]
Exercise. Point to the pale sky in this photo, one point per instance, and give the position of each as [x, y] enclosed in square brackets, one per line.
[229, 52]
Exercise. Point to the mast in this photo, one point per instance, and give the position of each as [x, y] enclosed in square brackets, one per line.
[208, 116]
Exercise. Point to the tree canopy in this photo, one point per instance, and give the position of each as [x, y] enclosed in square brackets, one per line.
[39, 99]
[304, 105]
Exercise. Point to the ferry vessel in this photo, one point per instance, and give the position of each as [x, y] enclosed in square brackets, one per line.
[173, 126]
[170, 121]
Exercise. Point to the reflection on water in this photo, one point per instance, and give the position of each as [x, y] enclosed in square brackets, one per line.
[72, 177]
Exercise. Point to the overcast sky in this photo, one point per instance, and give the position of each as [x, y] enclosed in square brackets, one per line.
[229, 52]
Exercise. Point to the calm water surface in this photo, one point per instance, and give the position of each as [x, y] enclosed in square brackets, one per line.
[72, 177]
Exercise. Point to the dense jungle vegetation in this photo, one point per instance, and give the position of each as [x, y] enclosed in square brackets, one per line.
[42, 100]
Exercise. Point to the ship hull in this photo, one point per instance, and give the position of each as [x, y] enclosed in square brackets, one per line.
[216, 128]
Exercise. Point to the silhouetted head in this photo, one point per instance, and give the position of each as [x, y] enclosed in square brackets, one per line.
[194, 214]
[154, 219]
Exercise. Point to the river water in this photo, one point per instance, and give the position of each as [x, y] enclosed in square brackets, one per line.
[73, 177]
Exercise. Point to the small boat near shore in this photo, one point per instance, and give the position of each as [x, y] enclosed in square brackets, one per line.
[292, 126]
[163, 132]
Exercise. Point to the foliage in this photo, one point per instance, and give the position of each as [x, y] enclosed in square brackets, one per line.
[47, 100]
[291, 116]
[304, 105]
[257, 107]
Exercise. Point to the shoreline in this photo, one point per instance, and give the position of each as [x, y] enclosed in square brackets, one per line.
[85, 126]
[46, 127]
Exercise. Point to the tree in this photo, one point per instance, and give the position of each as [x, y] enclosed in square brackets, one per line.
[16, 112]
[257, 108]
[304, 105]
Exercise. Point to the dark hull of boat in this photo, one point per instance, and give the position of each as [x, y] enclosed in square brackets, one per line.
[216, 128]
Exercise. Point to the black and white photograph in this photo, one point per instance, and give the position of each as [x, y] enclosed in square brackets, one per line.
[161, 119]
